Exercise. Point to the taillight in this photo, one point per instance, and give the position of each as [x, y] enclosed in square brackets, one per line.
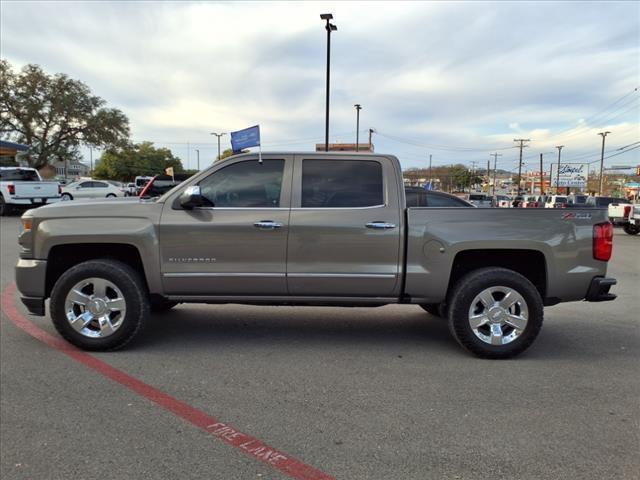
[12, 189]
[602, 241]
[627, 211]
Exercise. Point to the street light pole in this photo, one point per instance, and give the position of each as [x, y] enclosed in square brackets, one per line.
[198, 158]
[218, 135]
[330, 28]
[603, 135]
[358, 108]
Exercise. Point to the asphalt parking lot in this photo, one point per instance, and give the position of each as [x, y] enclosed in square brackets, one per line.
[352, 393]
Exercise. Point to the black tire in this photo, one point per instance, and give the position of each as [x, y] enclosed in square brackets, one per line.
[471, 285]
[631, 229]
[111, 195]
[160, 304]
[66, 197]
[127, 280]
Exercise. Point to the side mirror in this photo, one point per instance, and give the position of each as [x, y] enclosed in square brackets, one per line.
[191, 198]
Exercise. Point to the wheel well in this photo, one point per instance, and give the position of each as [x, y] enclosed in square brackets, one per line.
[63, 257]
[528, 263]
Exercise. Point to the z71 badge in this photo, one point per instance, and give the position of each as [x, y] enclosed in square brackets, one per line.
[576, 216]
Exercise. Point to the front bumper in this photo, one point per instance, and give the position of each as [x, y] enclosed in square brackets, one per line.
[31, 283]
[599, 290]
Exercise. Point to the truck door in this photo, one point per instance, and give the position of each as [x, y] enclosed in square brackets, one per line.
[345, 224]
[236, 246]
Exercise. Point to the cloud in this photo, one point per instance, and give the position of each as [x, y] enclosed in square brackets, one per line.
[437, 74]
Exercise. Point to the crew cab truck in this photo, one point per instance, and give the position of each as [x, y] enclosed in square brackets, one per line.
[308, 229]
[23, 188]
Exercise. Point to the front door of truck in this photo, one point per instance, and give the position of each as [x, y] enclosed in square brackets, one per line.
[345, 227]
[238, 244]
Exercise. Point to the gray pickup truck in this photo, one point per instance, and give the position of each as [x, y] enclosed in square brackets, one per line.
[308, 229]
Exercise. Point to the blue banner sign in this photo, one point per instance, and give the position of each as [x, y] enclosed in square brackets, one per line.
[249, 137]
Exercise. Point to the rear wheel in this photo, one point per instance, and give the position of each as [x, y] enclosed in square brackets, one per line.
[99, 305]
[495, 313]
[631, 229]
[65, 197]
[111, 195]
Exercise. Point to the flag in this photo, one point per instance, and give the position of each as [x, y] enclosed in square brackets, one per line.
[169, 171]
[249, 137]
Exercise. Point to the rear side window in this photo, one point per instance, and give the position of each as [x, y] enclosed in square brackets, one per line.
[18, 175]
[341, 184]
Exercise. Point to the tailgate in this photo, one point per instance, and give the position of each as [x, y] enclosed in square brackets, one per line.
[36, 189]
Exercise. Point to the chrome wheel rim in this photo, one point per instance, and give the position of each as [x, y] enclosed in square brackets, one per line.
[498, 315]
[95, 308]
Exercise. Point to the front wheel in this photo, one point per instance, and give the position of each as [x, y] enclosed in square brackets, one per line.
[631, 229]
[66, 197]
[111, 195]
[99, 304]
[495, 313]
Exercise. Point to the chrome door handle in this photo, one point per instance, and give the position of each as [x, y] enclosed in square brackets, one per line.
[380, 225]
[267, 225]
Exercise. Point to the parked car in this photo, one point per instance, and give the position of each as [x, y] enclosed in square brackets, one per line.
[90, 189]
[517, 201]
[419, 197]
[131, 190]
[481, 200]
[161, 184]
[121, 186]
[503, 201]
[619, 211]
[603, 202]
[314, 229]
[632, 224]
[531, 201]
[576, 199]
[556, 201]
[23, 188]
[140, 182]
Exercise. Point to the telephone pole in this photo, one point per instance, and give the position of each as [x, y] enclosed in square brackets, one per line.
[541, 176]
[522, 145]
[430, 177]
[198, 157]
[358, 108]
[473, 174]
[495, 167]
[559, 147]
[603, 134]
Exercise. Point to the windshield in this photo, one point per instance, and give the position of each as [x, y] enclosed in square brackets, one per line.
[19, 174]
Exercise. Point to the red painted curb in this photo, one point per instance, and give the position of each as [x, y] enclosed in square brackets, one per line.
[249, 445]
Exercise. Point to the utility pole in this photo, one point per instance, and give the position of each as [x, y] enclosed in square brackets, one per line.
[541, 177]
[198, 158]
[371, 132]
[218, 135]
[559, 147]
[430, 176]
[91, 159]
[603, 134]
[488, 174]
[495, 167]
[522, 145]
[473, 173]
[358, 108]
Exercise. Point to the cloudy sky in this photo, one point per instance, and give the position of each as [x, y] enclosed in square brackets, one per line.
[457, 80]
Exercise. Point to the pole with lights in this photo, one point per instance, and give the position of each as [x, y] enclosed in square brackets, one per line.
[330, 27]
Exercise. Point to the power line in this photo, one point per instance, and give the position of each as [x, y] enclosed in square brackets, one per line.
[454, 148]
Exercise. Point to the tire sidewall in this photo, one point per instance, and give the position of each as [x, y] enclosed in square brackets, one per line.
[469, 287]
[121, 275]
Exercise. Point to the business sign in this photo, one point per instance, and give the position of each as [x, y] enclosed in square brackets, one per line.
[572, 175]
[249, 137]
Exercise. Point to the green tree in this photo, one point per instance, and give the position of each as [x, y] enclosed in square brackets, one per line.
[126, 163]
[55, 114]
[229, 152]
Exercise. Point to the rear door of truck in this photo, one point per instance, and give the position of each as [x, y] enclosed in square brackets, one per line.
[345, 228]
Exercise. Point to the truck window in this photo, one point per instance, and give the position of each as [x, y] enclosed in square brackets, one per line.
[341, 184]
[245, 184]
[18, 175]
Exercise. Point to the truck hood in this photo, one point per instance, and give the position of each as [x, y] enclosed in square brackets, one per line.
[126, 207]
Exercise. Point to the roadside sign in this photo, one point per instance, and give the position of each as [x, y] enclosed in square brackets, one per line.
[571, 175]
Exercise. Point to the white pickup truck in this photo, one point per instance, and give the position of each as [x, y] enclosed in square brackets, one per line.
[23, 188]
